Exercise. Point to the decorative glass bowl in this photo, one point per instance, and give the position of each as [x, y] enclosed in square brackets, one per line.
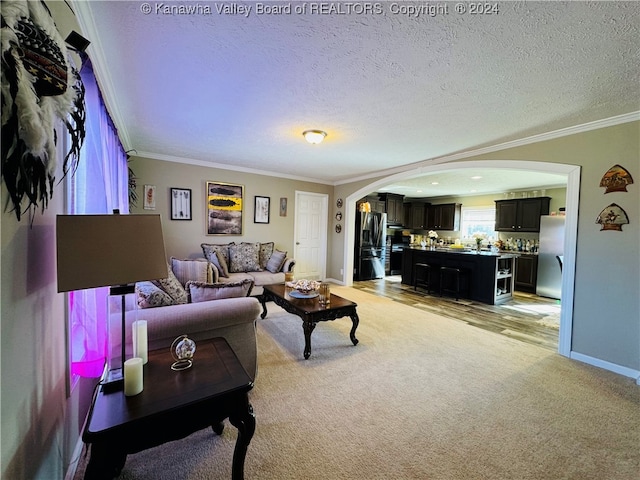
[304, 286]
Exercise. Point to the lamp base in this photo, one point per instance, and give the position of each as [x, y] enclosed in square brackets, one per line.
[113, 381]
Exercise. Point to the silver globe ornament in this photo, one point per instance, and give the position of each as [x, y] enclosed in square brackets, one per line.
[182, 350]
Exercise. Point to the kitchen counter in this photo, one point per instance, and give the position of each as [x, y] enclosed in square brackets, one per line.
[468, 251]
[487, 276]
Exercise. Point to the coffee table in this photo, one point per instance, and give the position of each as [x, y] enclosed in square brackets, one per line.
[310, 311]
[173, 405]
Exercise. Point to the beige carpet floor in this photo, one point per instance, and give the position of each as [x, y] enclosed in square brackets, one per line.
[420, 397]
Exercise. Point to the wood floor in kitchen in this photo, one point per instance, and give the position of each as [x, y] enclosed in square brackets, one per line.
[527, 317]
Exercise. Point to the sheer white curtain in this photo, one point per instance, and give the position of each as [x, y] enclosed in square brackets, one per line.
[99, 185]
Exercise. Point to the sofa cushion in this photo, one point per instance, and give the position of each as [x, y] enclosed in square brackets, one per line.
[218, 254]
[149, 295]
[198, 270]
[244, 257]
[266, 250]
[203, 292]
[266, 278]
[172, 287]
[276, 261]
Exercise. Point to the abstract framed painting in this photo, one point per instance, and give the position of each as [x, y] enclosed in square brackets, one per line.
[261, 210]
[180, 204]
[224, 208]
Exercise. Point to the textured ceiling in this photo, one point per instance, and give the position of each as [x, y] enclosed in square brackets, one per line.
[390, 89]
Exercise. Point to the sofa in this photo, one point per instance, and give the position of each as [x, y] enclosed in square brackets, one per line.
[201, 299]
[260, 262]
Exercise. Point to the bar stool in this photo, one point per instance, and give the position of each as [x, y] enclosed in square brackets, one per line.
[423, 276]
[450, 280]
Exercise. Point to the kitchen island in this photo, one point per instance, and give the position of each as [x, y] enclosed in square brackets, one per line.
[485, 276]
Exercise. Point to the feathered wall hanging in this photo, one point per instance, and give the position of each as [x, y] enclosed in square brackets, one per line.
[40, 87]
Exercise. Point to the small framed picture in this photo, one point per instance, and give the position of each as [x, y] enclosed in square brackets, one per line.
[180, 204]
[149, 197]
[261, 211]
[283, 207]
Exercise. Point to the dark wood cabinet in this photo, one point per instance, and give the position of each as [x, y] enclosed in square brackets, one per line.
[443, 217]
[394, 206]
[521, 215]
[377, 205]
[415, 215]
[526, 274]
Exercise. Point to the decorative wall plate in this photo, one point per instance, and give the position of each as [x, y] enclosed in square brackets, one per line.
[338, 228]
[339, 203]
[339, 216]
[612, 218]
[616, 179]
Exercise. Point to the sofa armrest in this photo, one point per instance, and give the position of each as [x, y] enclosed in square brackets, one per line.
[288, 265]
[231, 318]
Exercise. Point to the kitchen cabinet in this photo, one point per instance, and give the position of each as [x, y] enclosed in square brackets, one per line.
[445, 216]
[377, 205]
[526, 274]
[521, 215]
[415, 215]
[394, 206]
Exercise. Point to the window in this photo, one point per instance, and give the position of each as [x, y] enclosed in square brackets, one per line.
[99, 185]
[478, 219]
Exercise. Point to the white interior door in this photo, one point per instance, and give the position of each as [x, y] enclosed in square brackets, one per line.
[310, 232]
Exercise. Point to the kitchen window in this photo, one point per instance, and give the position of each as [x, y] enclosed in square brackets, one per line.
[478, 219]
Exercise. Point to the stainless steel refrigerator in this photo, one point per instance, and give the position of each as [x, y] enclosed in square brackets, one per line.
[370, 245]
[550, 256]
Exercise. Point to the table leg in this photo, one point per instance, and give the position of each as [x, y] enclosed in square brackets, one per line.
[308, 327]
[263, 301]
[218, 428]
[245, 421]
[105, 462]
[355, 320]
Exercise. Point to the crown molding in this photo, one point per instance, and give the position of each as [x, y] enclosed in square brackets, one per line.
[563, 132]
[222, 166]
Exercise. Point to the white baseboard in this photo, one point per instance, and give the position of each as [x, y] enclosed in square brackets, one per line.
[613, 367]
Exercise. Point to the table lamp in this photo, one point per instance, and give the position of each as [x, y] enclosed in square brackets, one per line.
[109, 250]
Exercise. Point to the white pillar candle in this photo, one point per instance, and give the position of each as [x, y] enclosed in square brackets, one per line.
[133, 383]
[140, 340]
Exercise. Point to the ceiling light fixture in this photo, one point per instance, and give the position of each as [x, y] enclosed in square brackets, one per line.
[314, 136]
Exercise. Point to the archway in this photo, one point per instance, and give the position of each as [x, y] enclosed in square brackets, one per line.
[571, 223]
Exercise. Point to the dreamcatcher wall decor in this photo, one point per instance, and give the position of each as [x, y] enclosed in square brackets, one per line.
[40, 87]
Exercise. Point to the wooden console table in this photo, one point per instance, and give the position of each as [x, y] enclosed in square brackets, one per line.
[172, 405]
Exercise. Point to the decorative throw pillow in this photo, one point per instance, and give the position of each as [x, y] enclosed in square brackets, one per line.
[149, 295]
[196, 270]
[266, 249]
[203, 292]
[218, 255]
[244, 257]
[172, 287]
[276, 261]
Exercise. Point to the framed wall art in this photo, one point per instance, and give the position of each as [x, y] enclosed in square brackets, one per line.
[180, 204]
[224, 208]
[149, 197]
[283, 207]
[261, 210]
